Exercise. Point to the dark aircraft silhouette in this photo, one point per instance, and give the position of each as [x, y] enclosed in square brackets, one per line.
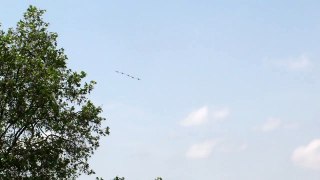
[128, 75]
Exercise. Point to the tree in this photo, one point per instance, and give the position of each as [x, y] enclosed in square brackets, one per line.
[122, 178]
[48, 126]
[119, 178]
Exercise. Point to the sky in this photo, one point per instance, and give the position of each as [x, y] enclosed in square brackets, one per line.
[229, 90]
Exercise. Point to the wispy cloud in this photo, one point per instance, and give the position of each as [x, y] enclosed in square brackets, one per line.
[204, 149]
[243, 146]
[203, 114]
[300, 63]
[220, 114]
[196, 117]
[272, 124]
[291, 126]
[308, 156]
[201, 150]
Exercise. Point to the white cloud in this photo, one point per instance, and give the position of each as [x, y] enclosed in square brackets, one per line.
[308, 156]
[204, 149]
[196, 117]
[201, 150]
[203, 114]
[271, 124]
[243, 147]
[300, 63]
[291, 126]
[221, 114]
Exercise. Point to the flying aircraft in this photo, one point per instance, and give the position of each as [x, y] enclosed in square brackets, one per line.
[128, 75]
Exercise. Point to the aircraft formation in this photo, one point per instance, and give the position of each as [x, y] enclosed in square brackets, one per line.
[132, 77]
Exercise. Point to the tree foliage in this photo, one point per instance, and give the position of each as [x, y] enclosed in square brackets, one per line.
[122, 178]
[119, 178]
[48, 126]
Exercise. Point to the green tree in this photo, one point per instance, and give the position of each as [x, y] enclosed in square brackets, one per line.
[119, 178]
[122, 178]
[48, 126]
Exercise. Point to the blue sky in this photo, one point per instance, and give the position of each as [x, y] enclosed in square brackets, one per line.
[229, 89]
